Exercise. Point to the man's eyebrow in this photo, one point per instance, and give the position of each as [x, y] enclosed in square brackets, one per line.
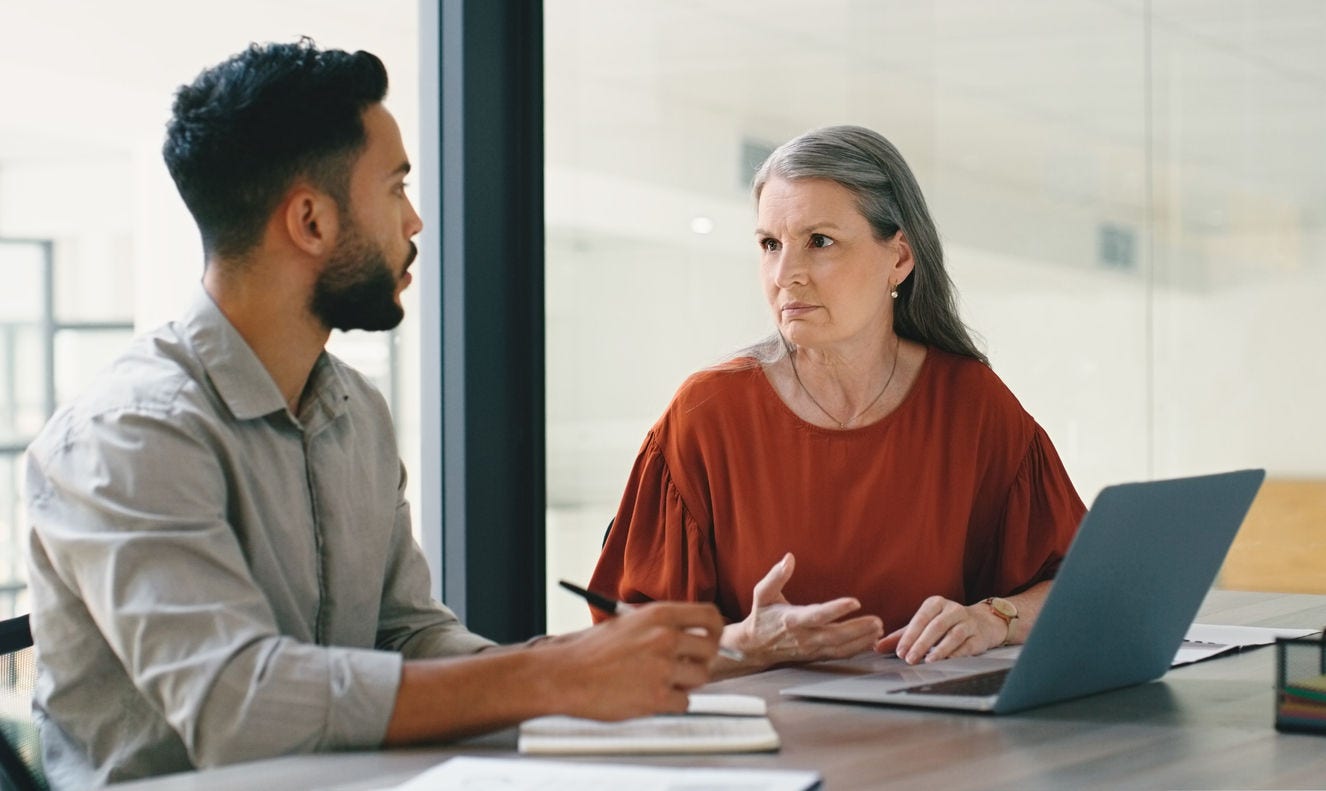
[402, 169]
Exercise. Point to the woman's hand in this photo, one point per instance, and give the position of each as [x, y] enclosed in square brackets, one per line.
[777, 631]
[942, 628]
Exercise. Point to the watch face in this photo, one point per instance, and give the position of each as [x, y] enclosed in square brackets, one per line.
[1004, 607]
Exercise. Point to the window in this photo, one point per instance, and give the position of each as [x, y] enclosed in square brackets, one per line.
[26, 391]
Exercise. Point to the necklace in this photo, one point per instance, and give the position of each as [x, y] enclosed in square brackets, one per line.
[842, 424]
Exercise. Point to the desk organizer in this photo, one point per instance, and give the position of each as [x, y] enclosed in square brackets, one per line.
[1300, 684]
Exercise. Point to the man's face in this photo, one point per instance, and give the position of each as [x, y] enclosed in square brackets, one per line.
[361, 284]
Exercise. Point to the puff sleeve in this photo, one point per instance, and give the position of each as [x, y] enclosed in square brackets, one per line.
[1040, 518]
[656, 549]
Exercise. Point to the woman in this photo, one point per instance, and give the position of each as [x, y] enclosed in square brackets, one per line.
[867, 444]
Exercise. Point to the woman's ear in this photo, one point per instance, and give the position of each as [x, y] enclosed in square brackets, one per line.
[311, 220]
[903, 266]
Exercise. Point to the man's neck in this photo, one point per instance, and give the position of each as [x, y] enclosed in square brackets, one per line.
[273, 319]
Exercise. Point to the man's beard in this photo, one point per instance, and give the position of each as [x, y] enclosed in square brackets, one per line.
[357, 289]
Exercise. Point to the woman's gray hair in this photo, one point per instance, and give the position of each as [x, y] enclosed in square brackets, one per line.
[889, 197]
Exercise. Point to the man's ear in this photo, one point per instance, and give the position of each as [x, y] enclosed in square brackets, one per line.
[310, 218]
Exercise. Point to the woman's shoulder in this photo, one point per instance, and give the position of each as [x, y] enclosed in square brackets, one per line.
[979, 407]
[969, 383]
[716, 393]
[730, 377]
[961, 371]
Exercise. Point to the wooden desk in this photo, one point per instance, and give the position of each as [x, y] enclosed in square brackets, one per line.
[1207, 725]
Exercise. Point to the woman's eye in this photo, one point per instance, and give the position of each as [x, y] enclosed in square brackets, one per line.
[769, 245]
[820, 240]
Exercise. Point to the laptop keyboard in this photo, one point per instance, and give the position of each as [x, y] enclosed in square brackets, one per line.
[977, 685]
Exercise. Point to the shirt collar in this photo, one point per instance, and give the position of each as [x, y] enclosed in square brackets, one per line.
[240, 378]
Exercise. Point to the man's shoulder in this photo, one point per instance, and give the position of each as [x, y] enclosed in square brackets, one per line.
[155, 377]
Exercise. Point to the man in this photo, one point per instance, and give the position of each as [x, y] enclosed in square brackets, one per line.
[221, 561]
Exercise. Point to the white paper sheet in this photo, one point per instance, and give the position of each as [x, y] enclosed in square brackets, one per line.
[1204, 640]
[508, 774]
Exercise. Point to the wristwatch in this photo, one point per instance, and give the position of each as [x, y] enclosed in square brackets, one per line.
[1006, 611]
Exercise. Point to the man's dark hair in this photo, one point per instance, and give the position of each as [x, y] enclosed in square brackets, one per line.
[241, 134]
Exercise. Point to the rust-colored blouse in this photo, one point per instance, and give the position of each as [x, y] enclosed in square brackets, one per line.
[957, 492]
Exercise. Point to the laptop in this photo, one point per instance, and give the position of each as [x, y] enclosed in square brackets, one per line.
[1143, 559]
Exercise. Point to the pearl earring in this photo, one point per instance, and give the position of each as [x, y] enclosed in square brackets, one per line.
[893, 290]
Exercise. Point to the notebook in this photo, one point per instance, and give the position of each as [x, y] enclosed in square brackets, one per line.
[1143, 559]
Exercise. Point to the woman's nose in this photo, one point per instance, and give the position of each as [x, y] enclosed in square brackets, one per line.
[789, 268]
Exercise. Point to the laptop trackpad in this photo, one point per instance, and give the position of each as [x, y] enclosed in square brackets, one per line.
[905, 675]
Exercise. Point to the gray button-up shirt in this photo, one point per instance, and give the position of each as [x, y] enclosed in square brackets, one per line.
[213, 578]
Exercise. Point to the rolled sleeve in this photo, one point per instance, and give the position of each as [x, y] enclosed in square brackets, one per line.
[287, 698]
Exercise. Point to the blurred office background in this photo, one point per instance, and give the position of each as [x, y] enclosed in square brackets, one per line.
[1132, 196]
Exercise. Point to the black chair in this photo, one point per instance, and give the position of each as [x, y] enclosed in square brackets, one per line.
[20, 752]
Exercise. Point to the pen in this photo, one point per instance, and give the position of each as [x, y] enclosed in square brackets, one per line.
[614, 607]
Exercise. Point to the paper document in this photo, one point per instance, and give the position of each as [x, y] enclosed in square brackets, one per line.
[740, 705]
[1204, 641]
[713, 724]
[1201, 641]
[508, 774]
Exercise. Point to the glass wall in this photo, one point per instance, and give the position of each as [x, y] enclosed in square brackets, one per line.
[87, 88]
[1131, 197]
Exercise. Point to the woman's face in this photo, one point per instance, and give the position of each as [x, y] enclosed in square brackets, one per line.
[825, 275]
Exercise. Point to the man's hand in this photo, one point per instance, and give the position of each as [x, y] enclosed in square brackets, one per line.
[642, 662]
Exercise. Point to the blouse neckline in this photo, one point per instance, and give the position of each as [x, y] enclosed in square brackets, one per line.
[882, 422]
